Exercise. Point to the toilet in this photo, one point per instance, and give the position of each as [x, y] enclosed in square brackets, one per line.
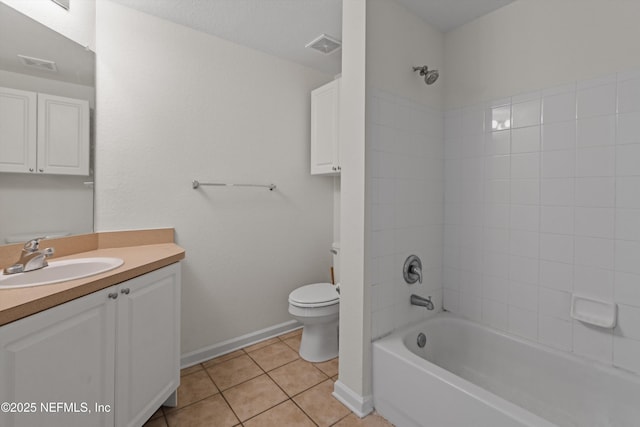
[317, 307]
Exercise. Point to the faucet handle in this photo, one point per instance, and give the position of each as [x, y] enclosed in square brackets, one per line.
[33, 244]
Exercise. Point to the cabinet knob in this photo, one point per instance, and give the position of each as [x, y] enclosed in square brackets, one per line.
[339, 168]
[125, 291]
[41, 170]
[113, 295]
[30, 169]
[334, 168]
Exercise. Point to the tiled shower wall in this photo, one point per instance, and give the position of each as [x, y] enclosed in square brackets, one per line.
[542, 201]
[405, 206]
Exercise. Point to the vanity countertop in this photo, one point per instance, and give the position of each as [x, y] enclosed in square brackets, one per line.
[142, 252]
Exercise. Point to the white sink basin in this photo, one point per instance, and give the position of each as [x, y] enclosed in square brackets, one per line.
[60, 271]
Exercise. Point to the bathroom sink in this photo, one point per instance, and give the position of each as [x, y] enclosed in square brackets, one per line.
[60, 271]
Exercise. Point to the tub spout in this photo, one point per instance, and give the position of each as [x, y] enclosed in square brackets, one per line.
[422, 302]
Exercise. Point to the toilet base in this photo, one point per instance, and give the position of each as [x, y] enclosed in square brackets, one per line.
[319, 342]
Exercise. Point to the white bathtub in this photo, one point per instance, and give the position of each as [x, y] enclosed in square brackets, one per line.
[468, 375]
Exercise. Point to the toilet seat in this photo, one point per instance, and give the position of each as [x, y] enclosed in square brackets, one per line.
[314, 295]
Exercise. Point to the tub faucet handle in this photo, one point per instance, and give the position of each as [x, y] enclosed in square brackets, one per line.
[412, 270]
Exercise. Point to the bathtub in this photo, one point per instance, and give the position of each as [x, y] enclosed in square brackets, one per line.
[468, 375]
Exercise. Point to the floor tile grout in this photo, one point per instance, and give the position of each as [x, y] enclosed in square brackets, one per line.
[263, 371]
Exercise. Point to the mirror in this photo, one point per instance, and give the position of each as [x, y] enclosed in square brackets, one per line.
[33, 205]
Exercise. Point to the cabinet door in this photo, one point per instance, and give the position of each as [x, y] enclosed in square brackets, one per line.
[63, 135]
[148, 344]
[17, 130]
[61, 356]
[325, 122]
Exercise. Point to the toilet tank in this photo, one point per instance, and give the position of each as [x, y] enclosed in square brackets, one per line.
[335, 250]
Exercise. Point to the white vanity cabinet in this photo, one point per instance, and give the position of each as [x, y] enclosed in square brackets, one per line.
[41, 133]
[325, 124]
[112, 357]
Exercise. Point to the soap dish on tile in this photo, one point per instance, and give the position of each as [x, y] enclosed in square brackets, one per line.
[594, 312]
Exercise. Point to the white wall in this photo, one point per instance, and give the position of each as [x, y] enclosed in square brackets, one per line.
[547, 207]
[77, 23]
[404, 163]
[355, 354]
[531, 44]
[175, 105]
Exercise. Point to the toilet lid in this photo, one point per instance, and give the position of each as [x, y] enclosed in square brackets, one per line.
[315, 294]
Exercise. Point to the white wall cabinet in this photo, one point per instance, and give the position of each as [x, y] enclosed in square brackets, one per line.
[42, 133]
[118, 347]
[325, 127]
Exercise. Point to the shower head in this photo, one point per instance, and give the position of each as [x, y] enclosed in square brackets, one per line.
[430, 76]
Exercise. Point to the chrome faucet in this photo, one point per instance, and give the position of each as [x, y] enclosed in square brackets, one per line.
[31, 258]
[421, 301]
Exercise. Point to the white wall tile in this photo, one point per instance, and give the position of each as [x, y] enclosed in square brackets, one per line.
[523, 323]
[525, 166]
[523, 296]
[628, 160]
[498, 191]
[497, 216]
[628, 256]
[593, 282]
[595, 192]
[555, 303]
[525, 191]
[495, 314]
[594, 252]
[626, 354]
[472, 120]
[556, 333]
[524, 243]
[596, 131]
[559, 108]
[497, 143]
[558, 164]
[629, 96]
[497, 167]
[628, 128]
[595, 161]
[496, 239]
[593, 343]
[557, 191]
[628, 325]
[470, 307]
[451, 300]
[525, 140]
[559, 136]
[556, 275]
[496, 264]
[495, 288]
[596, 101]
[627, 288]
[557, 219]
[524, 270]
[556, 247]
[595, 222]
[628, 192]
[525, 217]
[525, 113]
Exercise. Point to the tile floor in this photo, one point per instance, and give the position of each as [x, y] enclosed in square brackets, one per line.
[266, 384]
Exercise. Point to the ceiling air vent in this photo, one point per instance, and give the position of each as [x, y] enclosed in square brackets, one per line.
[325, 44]
[41, 64]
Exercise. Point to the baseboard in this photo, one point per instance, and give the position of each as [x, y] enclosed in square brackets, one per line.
[359, 405]
[237, 343]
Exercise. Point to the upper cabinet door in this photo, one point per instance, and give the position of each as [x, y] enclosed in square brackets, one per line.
[63, 135]
[325, 123]
[17, 130]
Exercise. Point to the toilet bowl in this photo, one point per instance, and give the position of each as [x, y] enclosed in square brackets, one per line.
[317, 307]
